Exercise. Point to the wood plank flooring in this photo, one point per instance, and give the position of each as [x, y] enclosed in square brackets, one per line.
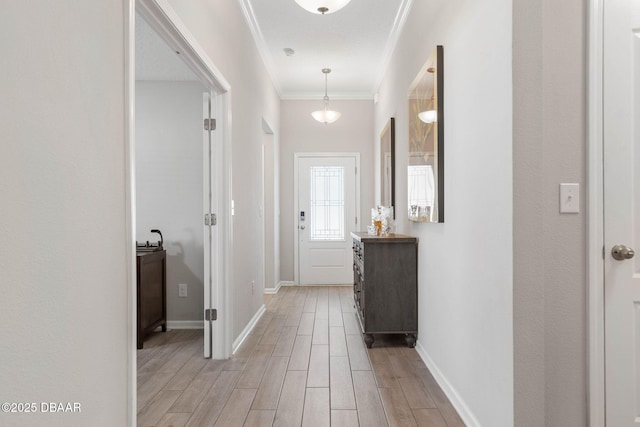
[304, 364]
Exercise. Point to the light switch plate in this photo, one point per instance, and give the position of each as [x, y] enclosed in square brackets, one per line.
[569, 198]
[182, 290]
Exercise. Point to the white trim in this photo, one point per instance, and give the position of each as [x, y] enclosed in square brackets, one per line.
[130, 208]
[392, 41]
[261, 44]
[225, 222]
[168, 25]
[595, 218]
[454, 397]
[273, 291]
[306, 96]
[247, 330]
[185, 324]
[296, 158]
[165, 21]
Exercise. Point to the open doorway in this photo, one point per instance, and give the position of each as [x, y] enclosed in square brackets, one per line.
[180, 174]
[170, 178]
[179, 180]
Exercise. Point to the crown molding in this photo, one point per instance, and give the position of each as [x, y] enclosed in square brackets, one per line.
[392, 41]
[306, 96]
[261, 44]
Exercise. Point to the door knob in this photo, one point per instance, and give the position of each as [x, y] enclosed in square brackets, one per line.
[302, 228]
[621, 252]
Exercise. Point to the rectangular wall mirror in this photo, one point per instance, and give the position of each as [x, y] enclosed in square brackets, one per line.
[425, 171]
[388, 165]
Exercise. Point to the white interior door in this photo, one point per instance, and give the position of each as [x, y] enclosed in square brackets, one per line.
[326, 215]
[210, 222]
[622, 210]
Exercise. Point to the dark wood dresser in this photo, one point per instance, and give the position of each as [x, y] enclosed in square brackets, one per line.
[152, 292]
[385, 276]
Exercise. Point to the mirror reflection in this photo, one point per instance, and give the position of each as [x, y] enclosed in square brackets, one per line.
[387, 165]
[425, 171]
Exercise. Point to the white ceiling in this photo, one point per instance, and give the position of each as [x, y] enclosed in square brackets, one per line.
[356, 42]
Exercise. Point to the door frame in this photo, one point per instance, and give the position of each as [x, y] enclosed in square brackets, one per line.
[168, 25]
[267, 137]
[595, 216]
[296, 158]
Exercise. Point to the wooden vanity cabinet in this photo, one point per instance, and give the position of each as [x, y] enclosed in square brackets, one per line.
[152, 293]
[385, 288]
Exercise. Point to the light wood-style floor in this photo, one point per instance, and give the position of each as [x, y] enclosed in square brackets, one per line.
[304, 364]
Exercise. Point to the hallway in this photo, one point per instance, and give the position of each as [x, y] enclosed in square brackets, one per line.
[304, 364]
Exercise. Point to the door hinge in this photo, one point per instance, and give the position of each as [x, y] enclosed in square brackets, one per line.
[356, 220]
[210, 219]
[209, 124]
[210, 314]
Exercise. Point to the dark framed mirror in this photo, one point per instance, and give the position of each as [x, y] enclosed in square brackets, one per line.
[425, 170]
[388, 165]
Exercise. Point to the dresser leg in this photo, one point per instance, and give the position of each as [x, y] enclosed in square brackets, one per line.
[368, 340]
[410, 340]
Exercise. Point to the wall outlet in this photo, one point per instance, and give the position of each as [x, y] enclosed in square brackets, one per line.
[182, 290]
[253, 287]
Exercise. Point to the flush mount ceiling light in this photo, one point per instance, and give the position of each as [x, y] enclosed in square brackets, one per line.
[322, 6]
[326, 116]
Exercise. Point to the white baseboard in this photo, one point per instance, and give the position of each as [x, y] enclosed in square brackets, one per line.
[455, 399]
[185, 324]
[247, 330]
[271, 291]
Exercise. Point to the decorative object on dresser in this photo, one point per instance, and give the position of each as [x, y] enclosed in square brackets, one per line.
[151, 265]
[385, 289]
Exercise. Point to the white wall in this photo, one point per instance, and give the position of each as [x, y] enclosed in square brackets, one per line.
[465, 264]
[63, 263]
[220, 28]
[169, 185]
[550, 284]
[353, 132]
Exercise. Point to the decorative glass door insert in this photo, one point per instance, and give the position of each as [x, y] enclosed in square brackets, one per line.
[327, 203]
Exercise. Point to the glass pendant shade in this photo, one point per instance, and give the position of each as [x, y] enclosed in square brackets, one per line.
[429, 116]
[322, 6]
[326, 116]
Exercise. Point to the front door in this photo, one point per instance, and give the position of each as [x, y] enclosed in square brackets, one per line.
[622, 211]
[325, 217]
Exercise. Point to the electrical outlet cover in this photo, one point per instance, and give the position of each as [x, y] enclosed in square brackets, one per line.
[182, 290]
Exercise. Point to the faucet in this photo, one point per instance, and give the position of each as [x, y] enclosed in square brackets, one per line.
[161, 241]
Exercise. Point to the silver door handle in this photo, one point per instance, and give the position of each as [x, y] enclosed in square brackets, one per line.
[302, 227]
[622, 252]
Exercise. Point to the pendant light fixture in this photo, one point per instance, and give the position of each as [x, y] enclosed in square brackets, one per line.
[326, 116]
[322, 6]
[430, 116]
